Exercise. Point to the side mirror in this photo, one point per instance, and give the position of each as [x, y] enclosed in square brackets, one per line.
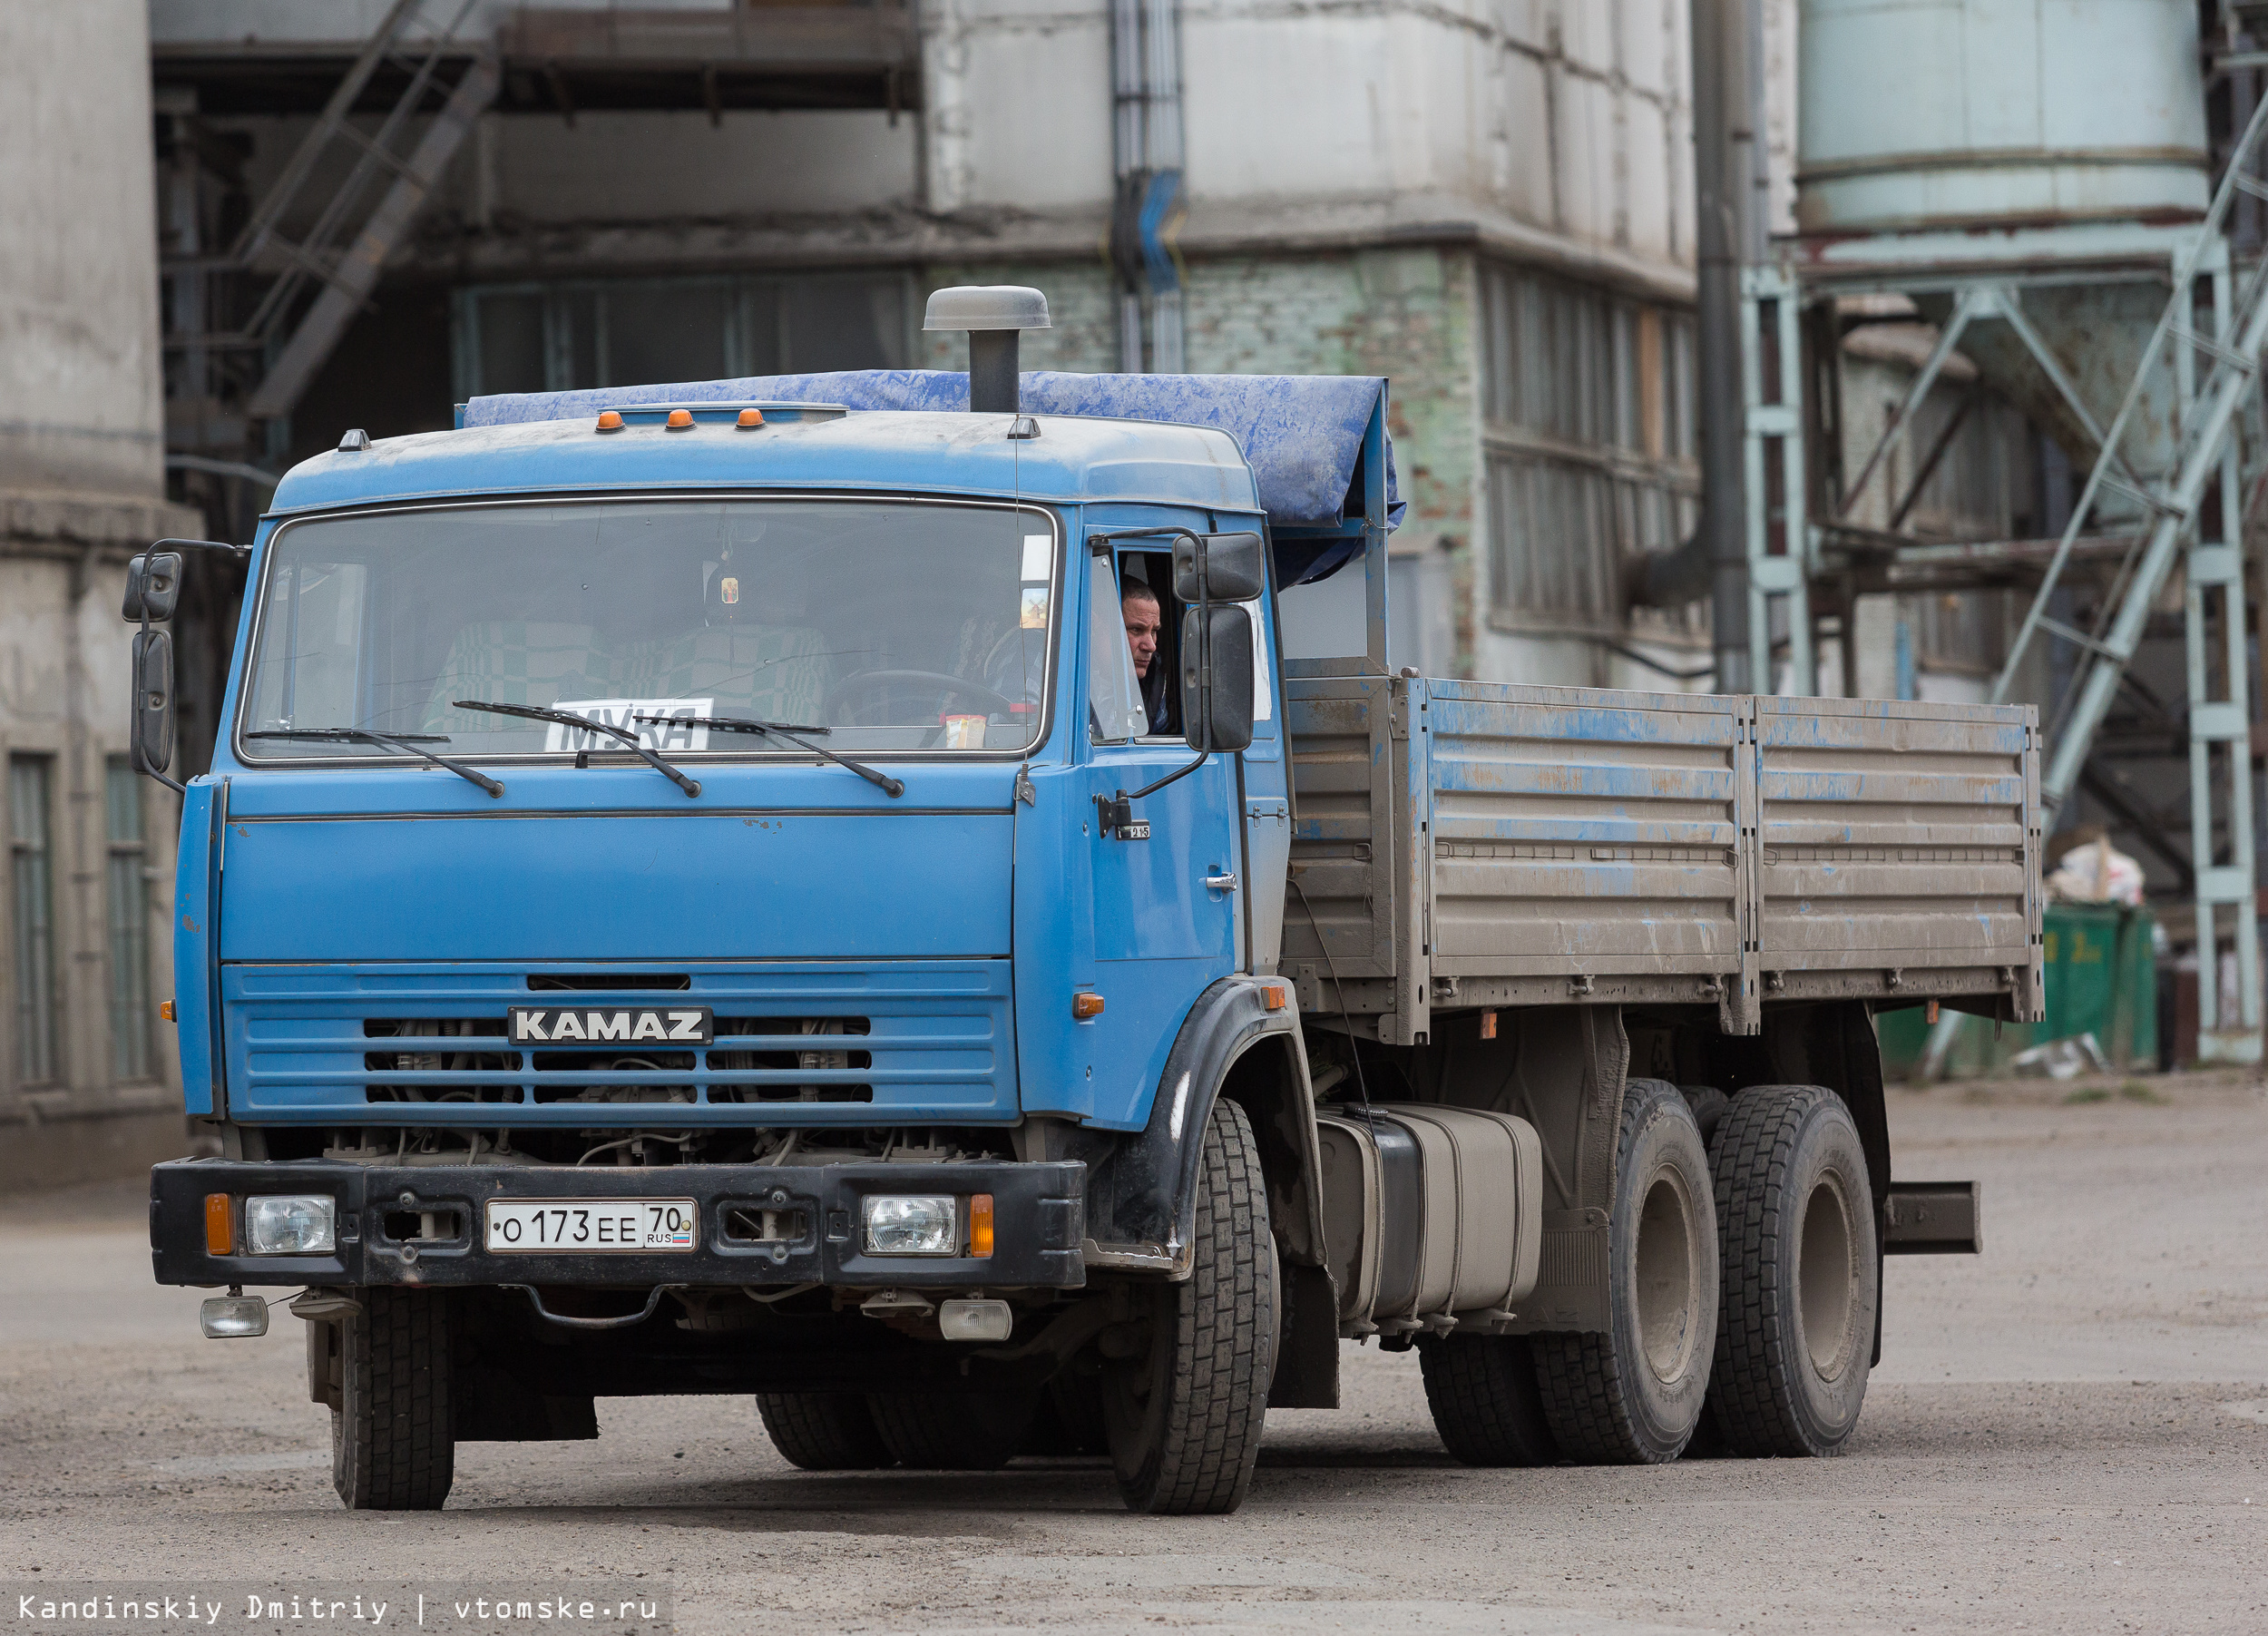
[153, 586]
[1230, 567]
[150, 730]
[1219, 716]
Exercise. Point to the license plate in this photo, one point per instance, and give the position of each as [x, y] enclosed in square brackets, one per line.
[585, 1226]
[613, 1024]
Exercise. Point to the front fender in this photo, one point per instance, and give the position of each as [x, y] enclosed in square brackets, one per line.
[1142, 1198]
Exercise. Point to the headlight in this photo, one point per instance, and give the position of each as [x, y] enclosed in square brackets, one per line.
[295, 1224]
[919, 1224]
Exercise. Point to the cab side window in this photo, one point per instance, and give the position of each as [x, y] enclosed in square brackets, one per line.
[1115, 710]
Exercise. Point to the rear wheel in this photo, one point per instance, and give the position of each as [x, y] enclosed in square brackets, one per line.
[1709, 1106]
[940, 1431]
[824, 1431]
[1801, 1273]
[1486, 1404]
[393, 1437]
[1633, 1394]
[1184, 1413]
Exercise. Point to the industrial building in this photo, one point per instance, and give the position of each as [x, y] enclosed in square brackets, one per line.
[370, 209]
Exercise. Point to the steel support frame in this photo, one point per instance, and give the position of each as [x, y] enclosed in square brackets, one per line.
[2219, 734]
[1772, 428]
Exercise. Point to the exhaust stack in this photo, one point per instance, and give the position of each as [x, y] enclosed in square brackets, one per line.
[994, 315]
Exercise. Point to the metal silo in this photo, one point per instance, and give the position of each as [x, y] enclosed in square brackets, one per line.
[1979, 113]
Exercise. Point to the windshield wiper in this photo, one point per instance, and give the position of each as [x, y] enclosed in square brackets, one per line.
[569, 719]
[788, 730]
[404, 742]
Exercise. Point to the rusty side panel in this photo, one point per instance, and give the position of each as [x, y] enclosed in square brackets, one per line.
[1897, 840]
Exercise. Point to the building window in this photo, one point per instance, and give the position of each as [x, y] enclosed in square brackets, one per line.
[556, 337]
[129, 901]
[1588, 440]
[32, 883]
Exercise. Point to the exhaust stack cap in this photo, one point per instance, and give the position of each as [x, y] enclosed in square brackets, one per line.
[995, 316]
[987, 307]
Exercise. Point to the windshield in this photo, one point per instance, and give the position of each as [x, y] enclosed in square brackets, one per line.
[895, 625]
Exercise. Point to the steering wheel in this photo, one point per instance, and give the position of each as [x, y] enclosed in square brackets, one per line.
[863, 683]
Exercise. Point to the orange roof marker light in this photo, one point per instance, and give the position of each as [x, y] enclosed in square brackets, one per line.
[750, 418]
[610, 421]
[680, 420]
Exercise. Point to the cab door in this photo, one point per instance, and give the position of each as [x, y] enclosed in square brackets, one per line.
[1166, 904]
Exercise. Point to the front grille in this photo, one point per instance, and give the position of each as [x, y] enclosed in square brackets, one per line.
[921, 1040]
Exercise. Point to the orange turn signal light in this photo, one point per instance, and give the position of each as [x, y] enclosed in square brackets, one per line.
[610, 421]
[219, 1224]
[1086, 1007]
[750, 417]
[680, 420]
[981, 1225]
[165, 1009]
[1272, 995]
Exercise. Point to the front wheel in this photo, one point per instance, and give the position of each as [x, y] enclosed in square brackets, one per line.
[936, 1431]
[824, 1431]
[393, 1437]
[1184, 1413]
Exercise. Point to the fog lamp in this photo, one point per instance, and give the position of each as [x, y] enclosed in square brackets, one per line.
[975, 1320]
[290, 1224]
[912, 1224]
[235, 1316]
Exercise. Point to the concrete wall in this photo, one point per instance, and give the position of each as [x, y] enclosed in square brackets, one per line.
[79, 375]
[81, 485]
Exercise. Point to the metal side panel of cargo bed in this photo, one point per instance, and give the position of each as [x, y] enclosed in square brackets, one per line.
[1461, 844]
[1898, 850]
[1540, 845]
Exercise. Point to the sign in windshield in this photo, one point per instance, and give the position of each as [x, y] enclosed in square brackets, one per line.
[699, 625]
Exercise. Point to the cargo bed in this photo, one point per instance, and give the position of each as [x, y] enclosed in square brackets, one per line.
[1460, 844]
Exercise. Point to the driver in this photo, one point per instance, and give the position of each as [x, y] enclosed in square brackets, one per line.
[1145, 622]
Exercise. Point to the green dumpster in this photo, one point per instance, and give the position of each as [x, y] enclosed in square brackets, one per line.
[2102, 979]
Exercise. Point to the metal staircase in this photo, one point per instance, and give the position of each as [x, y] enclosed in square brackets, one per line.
[318, 280]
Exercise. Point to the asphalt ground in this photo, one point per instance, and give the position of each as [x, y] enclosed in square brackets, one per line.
[2068, 1433]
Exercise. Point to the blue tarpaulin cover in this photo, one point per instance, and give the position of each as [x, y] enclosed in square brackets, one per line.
[1301, 433]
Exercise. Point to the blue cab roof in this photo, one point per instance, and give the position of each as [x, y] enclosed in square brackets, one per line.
[1288, 445]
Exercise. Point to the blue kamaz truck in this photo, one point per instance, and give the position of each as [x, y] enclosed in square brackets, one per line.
[881, 894]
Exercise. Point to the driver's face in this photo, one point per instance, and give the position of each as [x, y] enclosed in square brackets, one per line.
[1142, 625]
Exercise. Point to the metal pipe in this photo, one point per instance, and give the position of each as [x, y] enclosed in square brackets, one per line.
[1724, 193]
[993, 387]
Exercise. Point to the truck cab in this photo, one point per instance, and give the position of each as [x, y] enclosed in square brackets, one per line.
[831, 995]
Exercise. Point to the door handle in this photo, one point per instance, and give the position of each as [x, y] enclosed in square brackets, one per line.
[1220, 883]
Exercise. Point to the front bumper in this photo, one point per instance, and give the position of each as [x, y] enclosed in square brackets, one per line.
[422, 1224]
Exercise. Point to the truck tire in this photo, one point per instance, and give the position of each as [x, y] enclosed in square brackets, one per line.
[1800, 1275]
[1068, 1421]
[1185, 1412]
[393, 1437]
[1486, 1404]
[824, 1431]
[1709, 1106]
[945, 1431]
[1632, 1394]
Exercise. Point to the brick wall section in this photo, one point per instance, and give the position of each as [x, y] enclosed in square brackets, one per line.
[1406, 313]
